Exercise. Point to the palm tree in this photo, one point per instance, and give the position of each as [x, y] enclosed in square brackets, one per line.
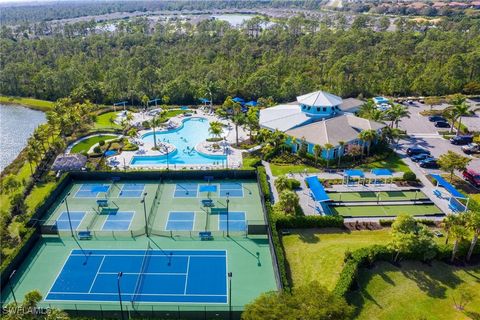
[340, 151]
[459, 233]
[473, 224]
[397, 113]
[328, 147]
[154, 123]
[215, 128]
[317, 150]
[460, 109]
[450, 115]
[367, 137]
[448, 222]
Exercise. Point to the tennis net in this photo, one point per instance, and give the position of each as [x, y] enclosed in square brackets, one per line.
[138, 285]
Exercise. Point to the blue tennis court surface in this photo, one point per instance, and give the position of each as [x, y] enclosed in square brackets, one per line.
[236, 221]
[91, 190]
[118, 221]
[164, 276]
[180, 221]
[186, 190]
[132, 190]
[76, 218]
[233, 189]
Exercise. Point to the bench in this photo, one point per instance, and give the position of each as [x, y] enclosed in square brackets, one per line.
[102, 202]
[84, 235]
[437, 193]
[208, 203]
[205, 235]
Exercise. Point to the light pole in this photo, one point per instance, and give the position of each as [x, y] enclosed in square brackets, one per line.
[68, 213]
[119, 276]
[145, 213]
[10, 285]
[228, 222]
[230, 296]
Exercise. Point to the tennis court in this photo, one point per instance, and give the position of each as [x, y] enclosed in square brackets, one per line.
[186, 190]
[92, 190]
[180, 221]
[236, 221]
[132, 190]
[161, 276]
[76, 218]
[382, 210]
[233, 189]
[118, 221]
[374, 196]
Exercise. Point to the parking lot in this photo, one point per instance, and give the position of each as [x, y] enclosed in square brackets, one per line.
[423, 133]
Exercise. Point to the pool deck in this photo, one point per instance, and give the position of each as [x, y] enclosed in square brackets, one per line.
[234, 155]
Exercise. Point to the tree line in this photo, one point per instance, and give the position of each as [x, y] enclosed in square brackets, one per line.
[292, 57]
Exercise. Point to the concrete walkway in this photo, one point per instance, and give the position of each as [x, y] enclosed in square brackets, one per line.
[271, 181]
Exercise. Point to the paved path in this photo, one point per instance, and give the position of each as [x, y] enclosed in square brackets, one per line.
[271, 181]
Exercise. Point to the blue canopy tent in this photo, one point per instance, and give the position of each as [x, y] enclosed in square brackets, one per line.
[317, 192]
[353, 173]
[251, 103]
[454, 202]
[239, 100]
[382, 173]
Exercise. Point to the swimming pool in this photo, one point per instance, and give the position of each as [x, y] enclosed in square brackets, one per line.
[193, 131]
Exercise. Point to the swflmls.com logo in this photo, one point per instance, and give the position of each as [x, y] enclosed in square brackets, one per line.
[19, 310]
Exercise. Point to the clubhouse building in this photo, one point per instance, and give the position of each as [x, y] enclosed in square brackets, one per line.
[319, 118]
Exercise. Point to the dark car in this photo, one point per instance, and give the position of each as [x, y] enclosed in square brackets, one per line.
[415, 150]
[472, 177]
[436, 119]
[420, 157]
[430, 163]
[442, 124]
[461, 140]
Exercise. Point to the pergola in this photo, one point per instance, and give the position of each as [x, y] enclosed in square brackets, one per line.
[69, 162]
[454, 202]
[350, 174]
[317, 193]
[382, 173]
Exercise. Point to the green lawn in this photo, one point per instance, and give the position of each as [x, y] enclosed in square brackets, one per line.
[279, 170]
[85, 145]
[103, 121]
[172, 113]
[373, 196]
[392, 162]
[38, 194]
[416, 291]
[392, 210]
[317, 254]
[43, 105]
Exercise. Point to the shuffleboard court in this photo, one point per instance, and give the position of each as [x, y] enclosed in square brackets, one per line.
[118, 221]
[233, 189]
[236, 221]
[132, 190]
[382, 210]
[186, 190]
[76, 218]
[161, 276]
[180, 221]
[92, 190]
[373, 196]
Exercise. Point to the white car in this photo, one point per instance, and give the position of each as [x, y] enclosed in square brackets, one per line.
[471, 148]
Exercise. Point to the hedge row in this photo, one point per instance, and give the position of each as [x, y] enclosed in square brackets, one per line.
[389, 222]
[262, 175]
[309, 222]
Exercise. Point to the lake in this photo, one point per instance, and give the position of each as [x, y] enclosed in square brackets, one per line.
[234, 19]
[16, 125]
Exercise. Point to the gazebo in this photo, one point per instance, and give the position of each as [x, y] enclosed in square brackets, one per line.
[69, 162]
[382, 173]
[350, 174]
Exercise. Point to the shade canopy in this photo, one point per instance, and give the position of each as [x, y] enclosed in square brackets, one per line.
[238, 100]
[203, 100]
[382, 172]
[69, 162]
[317, 190]
[354, 173]
[208, 188]
[251, 103]
[447, 186]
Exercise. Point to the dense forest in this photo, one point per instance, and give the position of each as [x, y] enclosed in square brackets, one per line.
[292, 57]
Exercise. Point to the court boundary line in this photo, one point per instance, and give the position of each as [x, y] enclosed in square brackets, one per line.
[96, 274]
[121, 190]
[96, 196]
[131, 220]
[83, 218]
[193, 221]
[244, 220]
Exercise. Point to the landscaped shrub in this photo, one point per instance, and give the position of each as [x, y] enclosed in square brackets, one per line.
[292, 222]
[294, 184]
[97, 149]
[427, 222]
[262, 176]
[101, 142]
[409, 176]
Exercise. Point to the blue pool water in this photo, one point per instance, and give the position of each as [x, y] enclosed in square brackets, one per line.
[185, 138]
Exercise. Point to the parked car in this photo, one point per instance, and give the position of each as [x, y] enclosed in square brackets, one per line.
[436, 119]
[438, 234]
[471, 148]
[430, 163]
[472, 176]
[461, 140]
[420, 157]
[416, 150]
[442, 124]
